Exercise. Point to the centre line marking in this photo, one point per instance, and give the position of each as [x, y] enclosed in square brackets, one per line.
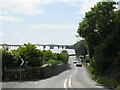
[36, 82]
[70, 83]
[65, 84]
[70, 76]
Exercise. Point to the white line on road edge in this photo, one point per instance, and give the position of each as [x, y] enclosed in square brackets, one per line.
[65, 84]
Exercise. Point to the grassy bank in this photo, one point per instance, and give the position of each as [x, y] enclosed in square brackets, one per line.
[104, 80]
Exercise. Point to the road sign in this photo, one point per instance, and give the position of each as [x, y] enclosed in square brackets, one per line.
[22, 61]
[20, 66]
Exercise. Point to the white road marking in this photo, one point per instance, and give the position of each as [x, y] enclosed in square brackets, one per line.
[70, 76]
[69, 83]
[36, 82]
[65, 84]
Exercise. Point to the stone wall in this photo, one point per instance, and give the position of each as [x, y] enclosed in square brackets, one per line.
[38, 73]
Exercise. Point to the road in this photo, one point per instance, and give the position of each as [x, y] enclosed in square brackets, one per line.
[73, 77]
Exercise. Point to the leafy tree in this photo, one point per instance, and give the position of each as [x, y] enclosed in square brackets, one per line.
[30, 55]
[53, 62]
[101, 30]
[80, 48]
[64, 56]
[97, 25]
[48, 55]
[7, 60]
[107, 54]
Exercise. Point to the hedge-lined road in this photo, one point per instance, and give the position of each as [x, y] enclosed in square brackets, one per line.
[73, 77]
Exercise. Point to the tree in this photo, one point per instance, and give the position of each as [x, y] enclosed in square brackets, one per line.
[7, 60]
[30, 54]
[80, 48]
[101, 30]
[97, 24]
[48, 55]
[64, 56]
[107, 54]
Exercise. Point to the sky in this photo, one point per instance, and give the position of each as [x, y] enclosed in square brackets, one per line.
[41, 21]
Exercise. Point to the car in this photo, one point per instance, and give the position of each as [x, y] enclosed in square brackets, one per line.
[75, 61]
[79, 64]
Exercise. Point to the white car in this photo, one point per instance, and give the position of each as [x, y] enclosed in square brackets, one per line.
[79, 64]
[75, 61]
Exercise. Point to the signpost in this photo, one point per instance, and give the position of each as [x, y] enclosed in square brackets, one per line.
[22, 61]
[20, 66]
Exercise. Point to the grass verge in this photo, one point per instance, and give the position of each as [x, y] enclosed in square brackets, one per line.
[104, 80]
[108, 82]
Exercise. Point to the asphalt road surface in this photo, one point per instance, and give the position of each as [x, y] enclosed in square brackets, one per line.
[73, 77]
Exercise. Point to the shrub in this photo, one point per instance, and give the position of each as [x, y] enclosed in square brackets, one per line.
[53, 63]
[64, 56]
[35, 62]
[30, 54]
[7, 59]
[107, 81]
[118, 87]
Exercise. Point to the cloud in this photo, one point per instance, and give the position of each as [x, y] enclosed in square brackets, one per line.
[53, 27]
[29, 7]
[86, 6]
[2, 34]
[3, 13]
[9, 19]
[82, 5]
[34, 7]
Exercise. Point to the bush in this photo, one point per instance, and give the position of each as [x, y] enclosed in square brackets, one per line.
[30, 54]
[53, 63]
[35, 62]
[32, 58]
[48, 55]
[107, 81]
[118, 87]
[64, 56]
[7, 60]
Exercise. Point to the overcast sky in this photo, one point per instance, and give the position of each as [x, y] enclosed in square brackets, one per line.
[41, 21]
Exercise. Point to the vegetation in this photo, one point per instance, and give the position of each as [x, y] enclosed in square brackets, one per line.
[80, 48]
[53, 63]
[64, 56]
[101, 30]
[32, 57]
